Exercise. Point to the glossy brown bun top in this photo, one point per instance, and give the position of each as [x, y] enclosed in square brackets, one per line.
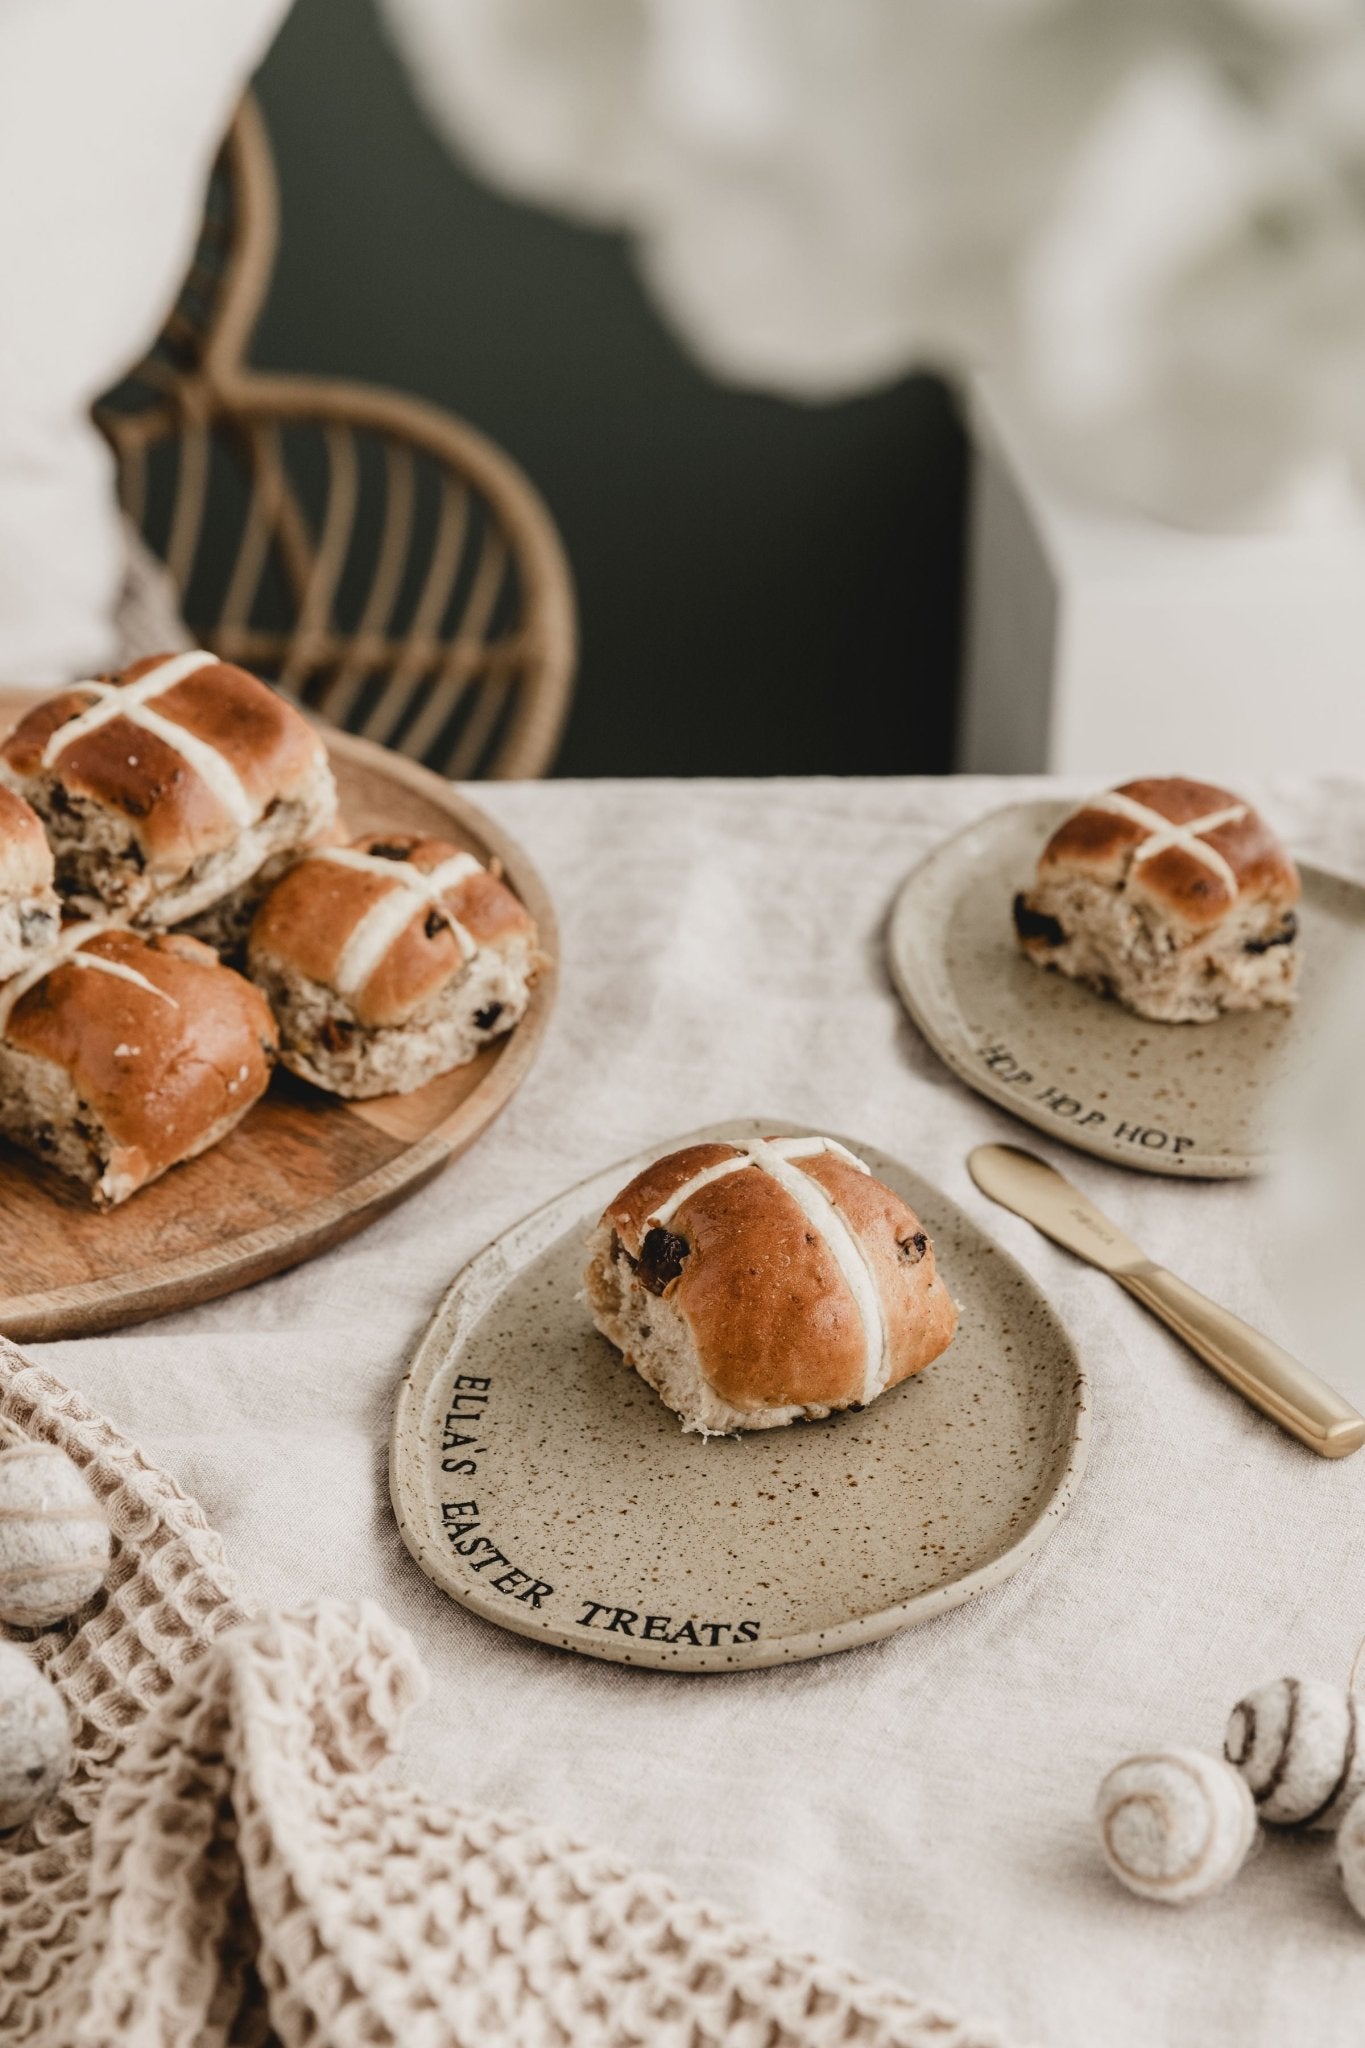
[268, 747]
[757, 1273]
[1196, 872]
[312, 921]
[25, 856]
[166, 1048]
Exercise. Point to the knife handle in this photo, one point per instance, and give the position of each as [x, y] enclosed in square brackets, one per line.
[1267, 1376]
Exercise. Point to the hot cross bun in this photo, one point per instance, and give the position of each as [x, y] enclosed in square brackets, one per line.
[166, 787]
[1174, 896]
[122, 1054]
[762, 1282]
[390, 961]
[29, 910]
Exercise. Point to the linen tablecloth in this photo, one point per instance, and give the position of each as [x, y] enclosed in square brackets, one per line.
[919, 1808]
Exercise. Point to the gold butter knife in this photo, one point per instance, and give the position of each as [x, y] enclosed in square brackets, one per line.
[1267, 1376]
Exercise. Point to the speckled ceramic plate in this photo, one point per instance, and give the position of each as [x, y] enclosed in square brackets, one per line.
[1185, 1099]
[540, 1482]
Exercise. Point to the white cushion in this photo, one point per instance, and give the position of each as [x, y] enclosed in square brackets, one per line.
[110, 117]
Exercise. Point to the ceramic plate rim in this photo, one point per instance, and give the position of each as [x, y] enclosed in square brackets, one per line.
[409, 1501]
[932, 1005]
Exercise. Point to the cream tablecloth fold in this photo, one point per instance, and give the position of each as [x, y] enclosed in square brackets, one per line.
[918, 1809]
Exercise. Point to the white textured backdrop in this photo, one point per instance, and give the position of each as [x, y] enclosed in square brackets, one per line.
[110, 117]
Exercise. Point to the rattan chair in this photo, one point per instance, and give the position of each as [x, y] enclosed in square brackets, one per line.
[383, 563]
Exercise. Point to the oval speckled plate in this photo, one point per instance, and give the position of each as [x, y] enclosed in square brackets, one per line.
[540, 1482]
[1186, 1099]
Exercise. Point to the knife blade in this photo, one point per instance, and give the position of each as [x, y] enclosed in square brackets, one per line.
[1260, 1370]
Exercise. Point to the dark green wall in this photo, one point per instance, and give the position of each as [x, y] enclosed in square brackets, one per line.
[764, 587]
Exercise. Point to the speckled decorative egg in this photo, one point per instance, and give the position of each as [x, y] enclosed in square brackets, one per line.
[35, 1738]
[1174, 1825]
[1297, 1744]
[54, 1539]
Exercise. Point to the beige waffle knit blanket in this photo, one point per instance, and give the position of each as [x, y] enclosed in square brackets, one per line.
[233, 1861]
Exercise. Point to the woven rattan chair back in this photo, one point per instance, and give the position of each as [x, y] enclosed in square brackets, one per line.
[383, 563]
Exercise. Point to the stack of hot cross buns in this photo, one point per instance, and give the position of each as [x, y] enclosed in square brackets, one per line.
[156, 825]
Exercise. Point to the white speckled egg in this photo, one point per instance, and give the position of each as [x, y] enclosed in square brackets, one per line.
[54, 1539]
[35, 1739]
[1174, 1825]
[1297, 1744]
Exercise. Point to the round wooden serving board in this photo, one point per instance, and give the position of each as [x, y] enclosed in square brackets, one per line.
[303, 1170]
[540, 1482]
[1191, 1100]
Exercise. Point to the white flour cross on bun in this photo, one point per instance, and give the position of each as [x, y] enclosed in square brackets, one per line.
[385, 920]
[1165, 833]
[130, 701]
[66, 953]
[772, 1156]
